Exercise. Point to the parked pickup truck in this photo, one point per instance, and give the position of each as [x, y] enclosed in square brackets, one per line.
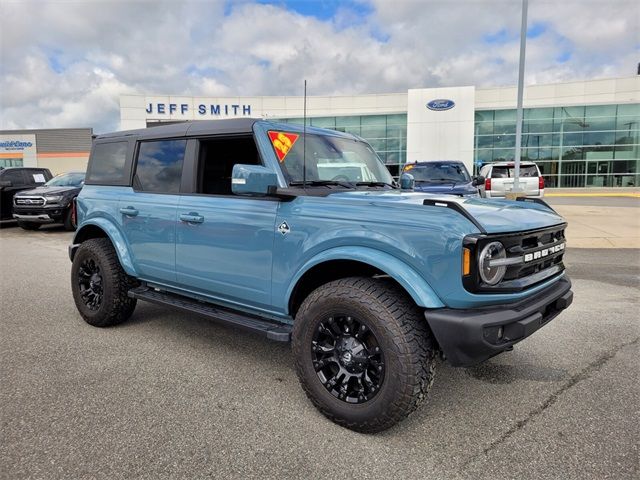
[53, 202]
[369, 281]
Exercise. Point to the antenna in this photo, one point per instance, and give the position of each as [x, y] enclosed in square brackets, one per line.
[304, 139]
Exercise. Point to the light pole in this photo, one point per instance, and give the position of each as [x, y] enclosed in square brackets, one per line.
[475, 159]
[523, 43]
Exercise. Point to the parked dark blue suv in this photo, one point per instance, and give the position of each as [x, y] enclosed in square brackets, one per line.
[446, 176]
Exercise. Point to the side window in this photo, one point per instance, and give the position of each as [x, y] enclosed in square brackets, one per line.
[159, 166]
[217, 158]
[14, 176]
[107, 164]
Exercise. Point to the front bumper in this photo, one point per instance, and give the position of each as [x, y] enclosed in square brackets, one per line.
[468, 337]
[48, 214]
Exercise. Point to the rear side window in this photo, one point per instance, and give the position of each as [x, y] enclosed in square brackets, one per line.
[108, 164]
[159, 166]
[509, 172]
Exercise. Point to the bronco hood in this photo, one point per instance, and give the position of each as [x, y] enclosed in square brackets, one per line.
[494, 215]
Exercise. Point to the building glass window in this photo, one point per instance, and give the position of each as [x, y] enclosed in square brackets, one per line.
[575, 146]
[11, 162]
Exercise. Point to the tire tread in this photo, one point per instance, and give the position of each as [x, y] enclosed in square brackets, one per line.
[410, 331]
[120, 307]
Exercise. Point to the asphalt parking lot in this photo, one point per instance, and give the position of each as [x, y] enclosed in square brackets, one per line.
[169, 395]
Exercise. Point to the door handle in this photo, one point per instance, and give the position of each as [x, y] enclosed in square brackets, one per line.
[129, 211]
[191, 218]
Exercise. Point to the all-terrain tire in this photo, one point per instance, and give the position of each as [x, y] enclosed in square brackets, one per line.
[115, 306]
[29, 225]
[403, 335]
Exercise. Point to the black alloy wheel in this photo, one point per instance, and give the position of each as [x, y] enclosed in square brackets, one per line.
[363, 351]
[99, 284]
[90, 283]
[348, 359]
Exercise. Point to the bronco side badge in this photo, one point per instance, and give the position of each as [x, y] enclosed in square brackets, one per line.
[283, 228]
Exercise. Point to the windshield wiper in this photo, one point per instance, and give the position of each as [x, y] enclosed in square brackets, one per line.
[321, 183]
[376, 184]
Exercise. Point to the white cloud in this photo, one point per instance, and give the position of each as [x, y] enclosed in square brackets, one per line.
[67, 63]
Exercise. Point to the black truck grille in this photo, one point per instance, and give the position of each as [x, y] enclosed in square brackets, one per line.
[540, 250]
[29, 201]
[540, 254]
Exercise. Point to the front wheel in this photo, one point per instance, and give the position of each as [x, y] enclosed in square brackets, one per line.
[70, 220]
[100, 285]
[364, 353]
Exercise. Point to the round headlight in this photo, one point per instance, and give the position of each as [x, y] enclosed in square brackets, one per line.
[488, 273]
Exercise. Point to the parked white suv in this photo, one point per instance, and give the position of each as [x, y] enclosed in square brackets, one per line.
[499, 177]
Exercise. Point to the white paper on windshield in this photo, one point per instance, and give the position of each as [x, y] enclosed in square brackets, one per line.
[39, 178]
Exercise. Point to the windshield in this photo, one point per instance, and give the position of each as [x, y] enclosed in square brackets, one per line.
[66, 180]
[439, 172]
[329, 159]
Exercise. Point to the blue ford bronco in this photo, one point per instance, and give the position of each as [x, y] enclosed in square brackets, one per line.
[304, 236]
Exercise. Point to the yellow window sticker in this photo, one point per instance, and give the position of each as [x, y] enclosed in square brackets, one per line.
[282, 143]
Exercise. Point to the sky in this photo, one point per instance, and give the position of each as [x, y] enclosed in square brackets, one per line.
[65, 63]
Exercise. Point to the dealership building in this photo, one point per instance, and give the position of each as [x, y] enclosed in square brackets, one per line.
[581, 134]
[58, 149]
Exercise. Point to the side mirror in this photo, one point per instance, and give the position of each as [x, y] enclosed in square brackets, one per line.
[407, 182]
[253, 180]
[6, 183]
[477, 181]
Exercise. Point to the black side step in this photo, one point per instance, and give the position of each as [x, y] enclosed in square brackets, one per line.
[273, 330]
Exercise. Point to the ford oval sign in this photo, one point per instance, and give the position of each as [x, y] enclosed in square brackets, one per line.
[441, 104]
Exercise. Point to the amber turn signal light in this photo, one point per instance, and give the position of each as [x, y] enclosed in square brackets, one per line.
[466, 261]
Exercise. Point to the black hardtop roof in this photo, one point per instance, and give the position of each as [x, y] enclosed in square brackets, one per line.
[215, 127]
[183, 129]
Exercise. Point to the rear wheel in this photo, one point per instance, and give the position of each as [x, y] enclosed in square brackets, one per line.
[364, 354]
[100, 285]
[29, 225]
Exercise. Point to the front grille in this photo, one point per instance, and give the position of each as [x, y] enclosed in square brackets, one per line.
[540, 252]
[29, 201]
